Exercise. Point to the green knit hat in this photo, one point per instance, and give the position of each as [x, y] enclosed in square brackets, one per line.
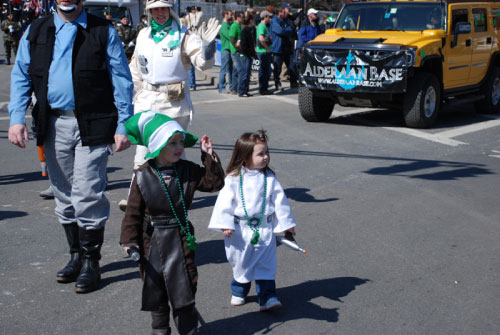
[154, 130]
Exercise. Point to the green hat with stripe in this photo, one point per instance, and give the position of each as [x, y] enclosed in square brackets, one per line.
[154, 130]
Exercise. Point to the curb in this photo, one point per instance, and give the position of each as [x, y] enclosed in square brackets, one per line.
[209, 76]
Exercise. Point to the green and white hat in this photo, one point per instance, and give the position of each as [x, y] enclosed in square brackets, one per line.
[154, 130]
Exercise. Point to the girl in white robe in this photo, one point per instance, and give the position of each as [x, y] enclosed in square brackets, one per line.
[249, 210]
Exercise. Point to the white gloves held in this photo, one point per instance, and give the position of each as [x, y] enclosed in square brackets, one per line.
[208, 31]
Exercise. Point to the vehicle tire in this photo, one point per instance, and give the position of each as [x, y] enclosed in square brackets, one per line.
[491, 103]
[422, 101]
[314, 109]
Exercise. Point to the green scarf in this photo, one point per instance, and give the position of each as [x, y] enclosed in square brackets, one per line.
[158, 32]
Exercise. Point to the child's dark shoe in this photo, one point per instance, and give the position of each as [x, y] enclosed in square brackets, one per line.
[271, 304]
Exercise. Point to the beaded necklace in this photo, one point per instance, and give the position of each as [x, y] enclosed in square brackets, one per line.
[190, 240]
[255, 228]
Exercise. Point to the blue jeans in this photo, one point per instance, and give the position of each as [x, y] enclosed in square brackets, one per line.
[246, 69]
[278, 60]
[265, 289]
[192, 77]
[236, 71]
[226, 67]
[264, 70]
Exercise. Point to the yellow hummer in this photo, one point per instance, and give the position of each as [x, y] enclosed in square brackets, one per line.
[406, 55]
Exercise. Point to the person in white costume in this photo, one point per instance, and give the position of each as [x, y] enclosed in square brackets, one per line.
[249, 210]
[163, 55]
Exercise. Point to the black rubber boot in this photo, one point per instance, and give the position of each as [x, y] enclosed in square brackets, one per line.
[90, 275]
[71, 271]
[8, 61]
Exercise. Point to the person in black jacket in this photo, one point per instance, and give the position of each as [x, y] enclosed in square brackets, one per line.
[83, 98]
[247, 51]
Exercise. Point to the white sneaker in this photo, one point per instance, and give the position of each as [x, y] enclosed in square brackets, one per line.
[272, 304]
[123, 205]
[237, 301]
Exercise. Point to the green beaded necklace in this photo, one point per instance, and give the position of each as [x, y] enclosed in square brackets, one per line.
[255, 228]
[190, 240]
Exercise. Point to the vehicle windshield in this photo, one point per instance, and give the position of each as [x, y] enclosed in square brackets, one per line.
[392, 16]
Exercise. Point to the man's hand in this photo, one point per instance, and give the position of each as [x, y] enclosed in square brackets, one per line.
[18, 134]
[122, 142]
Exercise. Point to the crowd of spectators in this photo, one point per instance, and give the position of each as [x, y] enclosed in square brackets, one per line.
[273, 37]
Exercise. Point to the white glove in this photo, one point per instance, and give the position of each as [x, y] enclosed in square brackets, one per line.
[208, 31]
[197, 18]
[131, 44]
[11, 28]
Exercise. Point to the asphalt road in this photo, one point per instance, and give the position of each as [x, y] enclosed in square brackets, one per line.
[401, 228]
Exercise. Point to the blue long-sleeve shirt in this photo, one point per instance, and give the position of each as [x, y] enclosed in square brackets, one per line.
[280, 32]
[60, 93]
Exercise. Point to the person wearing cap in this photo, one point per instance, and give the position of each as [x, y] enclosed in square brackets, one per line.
[127, 35]
[143, 23]
[264, 52]
[75, 64]
[290, 19]
[11, 35]
[156, 219]
[162, 56]
[309, 29]
[282, 48]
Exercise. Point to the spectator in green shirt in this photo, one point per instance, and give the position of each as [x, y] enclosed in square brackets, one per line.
[226, 65]
[264, 52]
[235, 38]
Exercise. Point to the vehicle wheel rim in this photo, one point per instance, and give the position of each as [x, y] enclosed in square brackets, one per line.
[430, 101]
[495, 94]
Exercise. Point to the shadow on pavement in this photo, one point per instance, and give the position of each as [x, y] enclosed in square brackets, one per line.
[301, 195]
[21, 178]
[120, 265]
[118, 184]
[5, 215]
[204, 201]
[296, 305]
[123, 277]
[449, 170]
[211, 252]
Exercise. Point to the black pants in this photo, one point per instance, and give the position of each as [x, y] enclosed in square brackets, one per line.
[278, 60]
[185, 319]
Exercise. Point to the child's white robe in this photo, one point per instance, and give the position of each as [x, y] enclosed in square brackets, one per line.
[252, 262]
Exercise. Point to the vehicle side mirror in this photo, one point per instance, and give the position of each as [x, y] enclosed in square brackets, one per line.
[460, 29]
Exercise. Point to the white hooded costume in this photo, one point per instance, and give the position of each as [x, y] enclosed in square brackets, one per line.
[252, 262]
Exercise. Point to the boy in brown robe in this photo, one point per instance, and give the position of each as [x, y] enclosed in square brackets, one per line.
[156, 219]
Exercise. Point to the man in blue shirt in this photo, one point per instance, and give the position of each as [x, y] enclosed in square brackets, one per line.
[75, 65]
[282, 48]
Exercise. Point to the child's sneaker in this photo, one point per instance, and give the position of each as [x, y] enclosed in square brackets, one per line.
[237, 301]
[272, 304]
